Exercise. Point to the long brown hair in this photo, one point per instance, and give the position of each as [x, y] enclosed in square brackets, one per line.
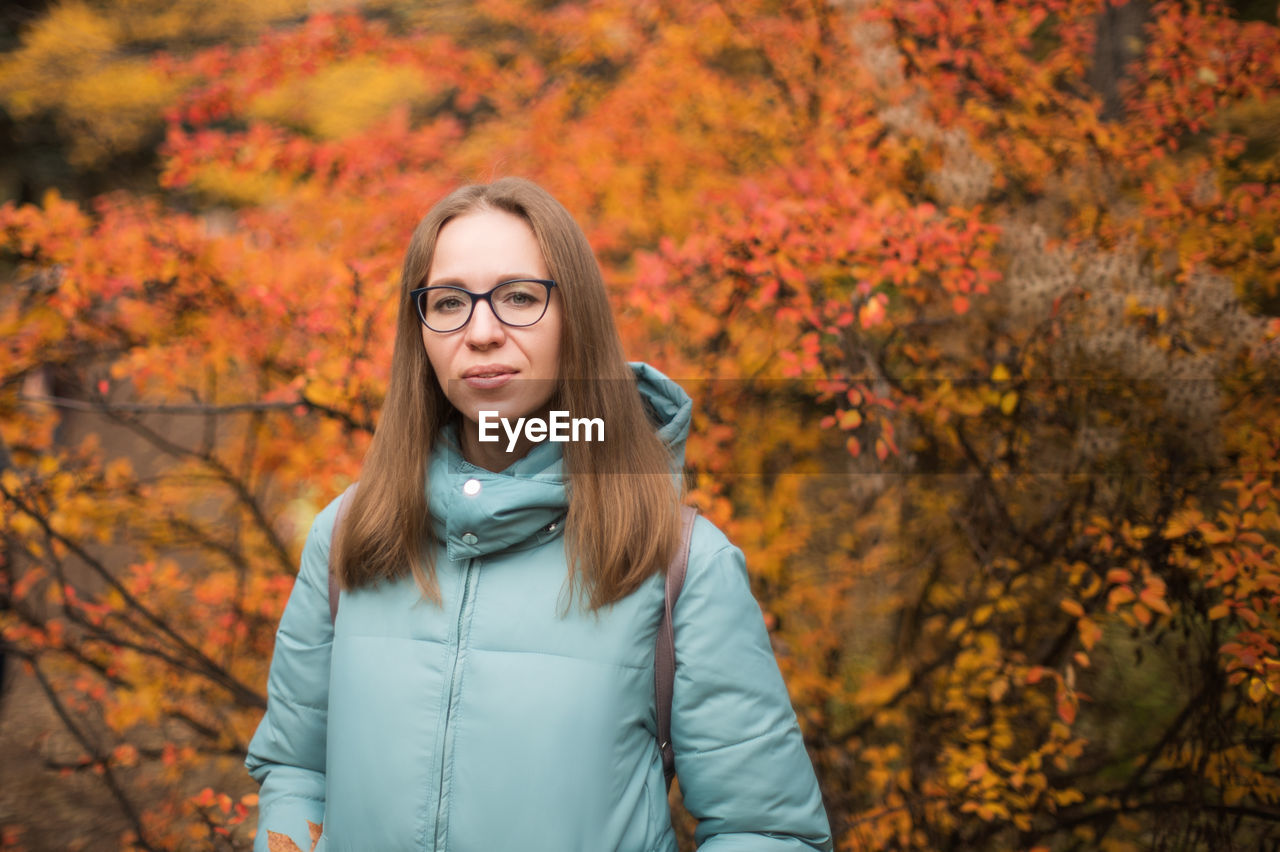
[623, 518]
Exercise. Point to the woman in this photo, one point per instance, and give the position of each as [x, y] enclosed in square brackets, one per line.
[488, 683]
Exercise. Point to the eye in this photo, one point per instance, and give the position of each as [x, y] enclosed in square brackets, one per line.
[521, 294]
[447, 303]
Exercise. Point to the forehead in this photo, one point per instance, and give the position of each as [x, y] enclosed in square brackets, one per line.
[482, 247]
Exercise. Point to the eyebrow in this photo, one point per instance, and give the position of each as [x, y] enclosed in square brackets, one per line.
[501, 279]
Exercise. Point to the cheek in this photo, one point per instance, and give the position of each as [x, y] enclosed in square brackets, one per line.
[551, 347]
[429, 346]
[548, 358]
[554, 356]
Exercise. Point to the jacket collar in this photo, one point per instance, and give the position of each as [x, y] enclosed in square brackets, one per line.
[477, 512]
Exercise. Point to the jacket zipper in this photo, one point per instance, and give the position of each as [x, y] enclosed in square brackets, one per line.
[442, 825]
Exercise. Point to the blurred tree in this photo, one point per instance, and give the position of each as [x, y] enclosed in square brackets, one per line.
[83, 99]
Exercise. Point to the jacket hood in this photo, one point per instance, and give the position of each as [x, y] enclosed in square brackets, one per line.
[477, 512]
[669, 407]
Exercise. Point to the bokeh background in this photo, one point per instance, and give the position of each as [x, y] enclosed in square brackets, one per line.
[977, 300]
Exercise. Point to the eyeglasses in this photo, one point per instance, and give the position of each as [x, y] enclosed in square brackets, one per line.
[517, 303]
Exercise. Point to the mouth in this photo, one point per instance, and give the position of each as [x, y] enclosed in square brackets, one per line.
[486, 377]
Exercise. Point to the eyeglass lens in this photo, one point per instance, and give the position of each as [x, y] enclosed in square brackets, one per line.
[516, 303]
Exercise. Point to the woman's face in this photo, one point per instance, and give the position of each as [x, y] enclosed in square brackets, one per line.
[486, 365]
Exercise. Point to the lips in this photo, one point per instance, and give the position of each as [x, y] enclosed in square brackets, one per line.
[488, 376]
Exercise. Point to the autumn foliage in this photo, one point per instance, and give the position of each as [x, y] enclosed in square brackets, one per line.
[983, 343]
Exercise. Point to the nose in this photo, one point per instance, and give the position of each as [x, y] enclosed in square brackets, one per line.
[484, 329]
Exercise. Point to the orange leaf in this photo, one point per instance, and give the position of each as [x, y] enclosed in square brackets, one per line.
[1089, 632]
[280, 842]
[1153, 598]
[1066, 709]
[1119, 596]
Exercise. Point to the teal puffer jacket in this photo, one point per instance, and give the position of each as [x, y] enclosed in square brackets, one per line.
[496, 721]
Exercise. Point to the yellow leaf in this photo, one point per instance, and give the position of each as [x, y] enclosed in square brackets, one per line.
[342, 99]
[1068, 796]
[1008, 403]
[1182, 523]
[1128, 823]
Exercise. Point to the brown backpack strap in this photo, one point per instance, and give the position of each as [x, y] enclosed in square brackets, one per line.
[334, 590]
[664, 660]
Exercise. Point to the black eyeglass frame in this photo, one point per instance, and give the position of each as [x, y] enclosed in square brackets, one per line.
[416, 295]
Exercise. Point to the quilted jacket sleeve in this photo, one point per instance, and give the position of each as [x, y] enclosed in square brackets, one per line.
[287, 753]
[740, 759]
